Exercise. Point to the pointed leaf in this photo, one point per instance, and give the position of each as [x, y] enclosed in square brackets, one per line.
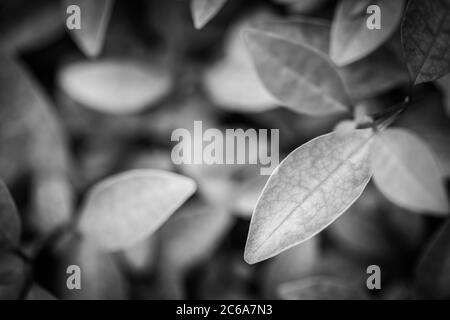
[310, 189]
[432, 276]
[95, 16]
[407, 173]
[299, 76]
[204, 10]
[124, 209]
[351, 40]
[426, 39]
[115, 86]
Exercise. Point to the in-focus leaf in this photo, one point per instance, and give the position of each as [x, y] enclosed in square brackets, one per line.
[406, 172]
[299, 76]
[320, 288]
[351, 40]
[310, 189]
[95, 16]
[10, 226]
[126, 208]
[432, 276]
[115, 86]
[426, 39]
[204, 10]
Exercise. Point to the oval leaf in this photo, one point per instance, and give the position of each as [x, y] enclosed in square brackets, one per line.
[9, 219]
[426, 39]
[95, 16]
[299, 76]
[406, 172]
[114, 86]
[351, 39]
[124, 209]
[204, 10]
[311, 188]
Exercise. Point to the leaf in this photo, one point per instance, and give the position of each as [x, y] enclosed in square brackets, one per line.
[406, 172]
[192, 235]
[95, 16]
[204, 10]
[432, 277]
[126, 208]
[10, 226]
[29, 28]
[142, 257]
[115, 86]
[321, 288]
[310, 189]
[351, 40]
[426, 39]
[101, 279]
[303, 6]
[374, 74]
[13, 275]
[233, 83]
[300, 77]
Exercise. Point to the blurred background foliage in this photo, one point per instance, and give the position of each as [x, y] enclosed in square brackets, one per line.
[87, 119]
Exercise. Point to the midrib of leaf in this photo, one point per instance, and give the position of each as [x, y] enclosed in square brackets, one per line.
[303, 79]
[441, 24]
[310, 193]
[407, 170]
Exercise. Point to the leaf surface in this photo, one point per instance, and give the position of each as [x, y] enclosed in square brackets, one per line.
[10, 226]
[95, 16]
[204, 10]
[310, 189]
[351, 40]
[126, 208]
[406, 172]
[426, 39]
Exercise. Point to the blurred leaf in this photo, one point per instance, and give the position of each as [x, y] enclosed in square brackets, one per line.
[204, 10]
[321, 288]
[115, 86]
[13, 276]
[124, 209]
[191, 235]
[375, 74]
[351, 40]
[310, 188]
[142, 257]
[373, 228]
[307, 83]
[38, 293]
[95, 16]
[406, 172]
[10, 226]
[52, 202]
[290, 265]
[100, 277]
[31, 122]
[432, 276]
[244, 196]
[30, 28]
[233, 83]
[426, 38]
